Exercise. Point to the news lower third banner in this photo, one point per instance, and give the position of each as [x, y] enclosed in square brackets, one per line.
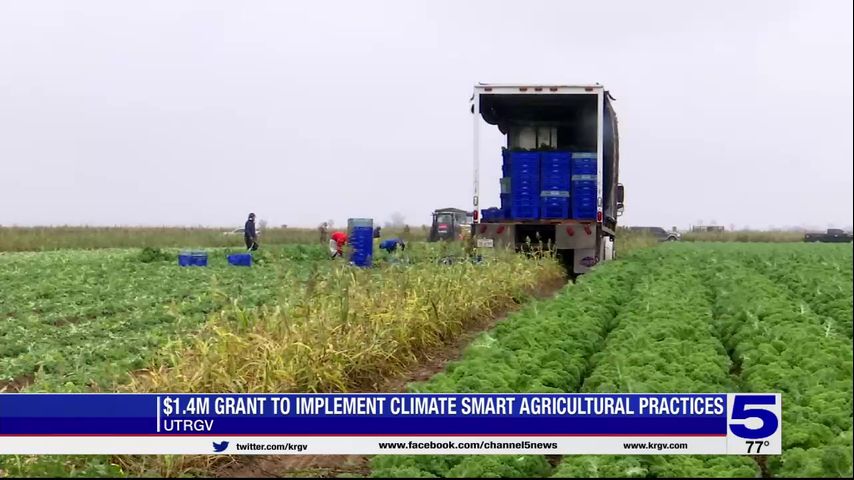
[368, 424]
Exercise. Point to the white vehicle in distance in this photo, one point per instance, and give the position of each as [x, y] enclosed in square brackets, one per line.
[239, 232]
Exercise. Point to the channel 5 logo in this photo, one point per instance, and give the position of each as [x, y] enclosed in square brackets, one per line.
[754, 423]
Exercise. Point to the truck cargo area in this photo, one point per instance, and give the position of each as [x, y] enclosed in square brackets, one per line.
[560, 162]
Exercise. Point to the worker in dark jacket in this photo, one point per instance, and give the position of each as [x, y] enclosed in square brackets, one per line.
[249, 234]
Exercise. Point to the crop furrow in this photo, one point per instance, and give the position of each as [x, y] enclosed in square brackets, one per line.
[543, 348]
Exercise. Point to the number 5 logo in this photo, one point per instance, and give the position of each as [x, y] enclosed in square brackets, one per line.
[741, 410]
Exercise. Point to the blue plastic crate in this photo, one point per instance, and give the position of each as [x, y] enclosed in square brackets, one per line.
[193, 259]
[577, 208]
[583, 214]
[525, 170]
[532, 201]
[583, 163]
[555, 159]
[492, 214]
[525, 212]
[555, 183]
[519, 158]
[240, 259]
[517, 181]
[584, 196]
[521, 183]
[554, 208]
[583, 187]
[506, 202]
[525, 194]
[525, 191]
[555, 173]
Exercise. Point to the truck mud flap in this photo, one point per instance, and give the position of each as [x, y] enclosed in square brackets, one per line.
[584, 259]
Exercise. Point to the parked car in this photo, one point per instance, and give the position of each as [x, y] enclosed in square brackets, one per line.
[661, 234]
[833, 235]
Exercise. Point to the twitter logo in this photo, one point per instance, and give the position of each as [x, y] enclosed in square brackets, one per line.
[220, 447]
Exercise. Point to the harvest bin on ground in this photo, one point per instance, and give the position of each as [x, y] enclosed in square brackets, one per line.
[193, 259]
[240, 259]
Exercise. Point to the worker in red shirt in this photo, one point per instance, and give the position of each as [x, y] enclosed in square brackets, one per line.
[336, 244]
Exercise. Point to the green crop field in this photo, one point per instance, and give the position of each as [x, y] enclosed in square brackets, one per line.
[82, 320]
[678, 318]
[133, 320]
[689, 317]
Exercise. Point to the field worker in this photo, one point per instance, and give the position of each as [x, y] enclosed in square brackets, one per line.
[391, 244]
[336, 244]
[376, 232]
[249, 234]
[324, 232]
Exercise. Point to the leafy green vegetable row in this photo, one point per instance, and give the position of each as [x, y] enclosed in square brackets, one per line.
[689, 310]
[543, 348]
[80, 320]
[818, 274]
[783, 347]
[664, 343]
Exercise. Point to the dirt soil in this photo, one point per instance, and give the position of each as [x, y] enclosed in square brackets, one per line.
[330, 466]
[17, 384]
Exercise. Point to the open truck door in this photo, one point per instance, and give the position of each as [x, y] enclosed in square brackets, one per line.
[569, 209]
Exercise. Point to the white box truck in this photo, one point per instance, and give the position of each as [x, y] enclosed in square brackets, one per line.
[576, 118]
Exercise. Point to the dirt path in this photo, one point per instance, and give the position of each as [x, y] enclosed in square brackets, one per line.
[328, 466]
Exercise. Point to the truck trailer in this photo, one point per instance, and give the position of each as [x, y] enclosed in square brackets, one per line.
[552, 122]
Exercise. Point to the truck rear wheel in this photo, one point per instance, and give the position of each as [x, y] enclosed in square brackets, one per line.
[567, 260]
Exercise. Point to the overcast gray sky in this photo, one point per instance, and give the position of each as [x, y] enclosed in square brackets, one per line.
[197, 112]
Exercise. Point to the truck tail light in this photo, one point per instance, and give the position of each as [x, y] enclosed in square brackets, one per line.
[570, 231]
[483, 229]
[500, 229]
[474, 215]
[587, 228]
[599, 217]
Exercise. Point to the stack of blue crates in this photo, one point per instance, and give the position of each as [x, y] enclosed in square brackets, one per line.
[361, 240]
[506, 185]
[506, 202]
[525, 182]
[584, 186]
[555, 178]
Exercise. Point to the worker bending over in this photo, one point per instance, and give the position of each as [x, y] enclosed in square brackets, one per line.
[391, 244]
[336, 244]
